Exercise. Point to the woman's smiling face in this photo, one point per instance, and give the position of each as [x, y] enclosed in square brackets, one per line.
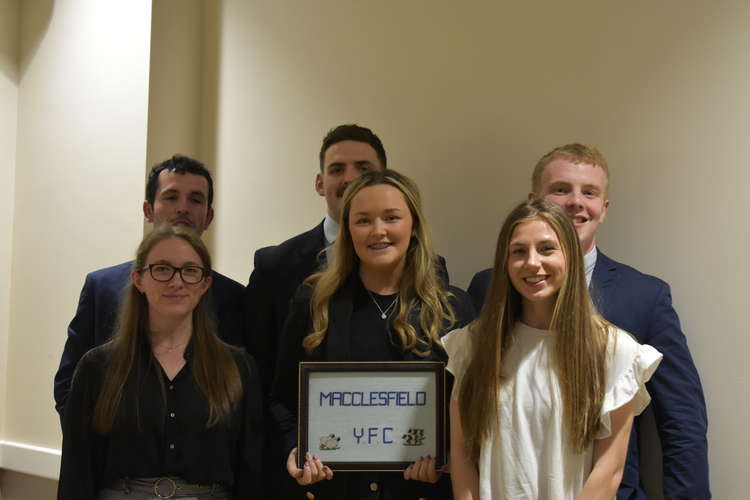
[536, 262]
[381, 226]
[173, 297]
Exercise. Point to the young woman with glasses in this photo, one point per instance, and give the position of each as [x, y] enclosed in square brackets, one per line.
[165, 409]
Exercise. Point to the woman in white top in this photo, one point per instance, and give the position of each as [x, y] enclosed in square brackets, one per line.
[545, 389]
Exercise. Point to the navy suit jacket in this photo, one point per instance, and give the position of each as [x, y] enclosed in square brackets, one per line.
[99, 304]
[642, 305]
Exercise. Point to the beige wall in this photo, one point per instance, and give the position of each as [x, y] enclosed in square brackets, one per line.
[175, 79]
[465, 97]
[81, 144]
[9, 70]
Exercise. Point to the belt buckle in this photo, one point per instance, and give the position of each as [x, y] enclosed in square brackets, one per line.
[157, 487]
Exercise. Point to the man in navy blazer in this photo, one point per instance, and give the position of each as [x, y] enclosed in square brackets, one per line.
[179, 191]
[576, 177]
[347, 152]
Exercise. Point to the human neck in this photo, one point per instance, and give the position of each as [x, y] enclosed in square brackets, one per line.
[170, 331]
[382, 281]
[334, 217]
[538, 314]
[587, 248]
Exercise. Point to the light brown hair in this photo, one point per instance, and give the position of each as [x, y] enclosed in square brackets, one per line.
[419, 284]
[574, 152]
[579, 355]
[212, 364]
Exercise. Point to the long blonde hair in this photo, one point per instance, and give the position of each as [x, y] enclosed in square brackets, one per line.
[420, 286]
[212, 364]
[580, 348]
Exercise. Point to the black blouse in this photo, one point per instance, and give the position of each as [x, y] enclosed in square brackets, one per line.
[356, 333]
[160, 430]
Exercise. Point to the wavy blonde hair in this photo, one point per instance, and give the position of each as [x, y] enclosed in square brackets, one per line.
[419, 287]
[212, 365]
[580, 348]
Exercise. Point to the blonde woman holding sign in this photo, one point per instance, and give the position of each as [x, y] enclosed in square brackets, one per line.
[382, 298]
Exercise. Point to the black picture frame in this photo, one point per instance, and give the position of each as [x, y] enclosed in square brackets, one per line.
[436, 368]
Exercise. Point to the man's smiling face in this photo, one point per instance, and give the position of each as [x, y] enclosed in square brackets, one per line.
[581, 189]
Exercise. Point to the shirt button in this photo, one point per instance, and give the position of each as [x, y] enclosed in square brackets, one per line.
[310, 495]
[171, 388]
[171, 414]
[171, 446]
[373, 486]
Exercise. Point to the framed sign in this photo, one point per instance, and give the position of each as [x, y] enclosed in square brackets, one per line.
[371, 416]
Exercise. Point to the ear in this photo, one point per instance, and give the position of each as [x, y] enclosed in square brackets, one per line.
[319, 184]
[137, 279]
[532, 196]
[605, 208]
[148, 211]
[206, 284]
[209, 218]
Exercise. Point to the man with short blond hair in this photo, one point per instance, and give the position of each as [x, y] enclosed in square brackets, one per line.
[576, 177]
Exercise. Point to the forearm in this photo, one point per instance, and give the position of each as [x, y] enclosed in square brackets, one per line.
[608, 457]
[602, 483]
[465, 479]
[464, 474]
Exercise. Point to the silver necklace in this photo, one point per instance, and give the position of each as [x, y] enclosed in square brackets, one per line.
[383, 313]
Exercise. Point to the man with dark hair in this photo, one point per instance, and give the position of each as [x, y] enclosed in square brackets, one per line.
[179, 191]
[347, 152]
[354, 133]
[576, 177]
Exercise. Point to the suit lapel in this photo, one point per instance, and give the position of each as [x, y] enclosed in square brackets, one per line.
[309, 252]
[603, 278]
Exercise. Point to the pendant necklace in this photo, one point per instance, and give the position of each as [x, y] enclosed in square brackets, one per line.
[383, 312]
[169, 349]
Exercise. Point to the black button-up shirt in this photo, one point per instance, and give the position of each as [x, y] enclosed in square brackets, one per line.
[160, 430]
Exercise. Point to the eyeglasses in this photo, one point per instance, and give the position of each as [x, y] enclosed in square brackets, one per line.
[165, 272]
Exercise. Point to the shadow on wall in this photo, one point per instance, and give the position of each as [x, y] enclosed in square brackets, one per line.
[210, 97]
[33, 21]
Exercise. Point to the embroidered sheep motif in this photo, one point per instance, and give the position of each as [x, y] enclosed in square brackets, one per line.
[330, 442]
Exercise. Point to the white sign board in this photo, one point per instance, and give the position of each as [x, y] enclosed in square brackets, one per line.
[373, 418]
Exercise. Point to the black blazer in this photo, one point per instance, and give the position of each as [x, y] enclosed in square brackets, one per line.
[278, 271]
[99, 304]
[642, 305]
[336, 347]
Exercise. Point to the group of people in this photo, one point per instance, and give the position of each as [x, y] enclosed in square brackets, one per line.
[177, 382]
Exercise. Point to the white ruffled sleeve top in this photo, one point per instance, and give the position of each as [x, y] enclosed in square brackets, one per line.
[529, 457]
